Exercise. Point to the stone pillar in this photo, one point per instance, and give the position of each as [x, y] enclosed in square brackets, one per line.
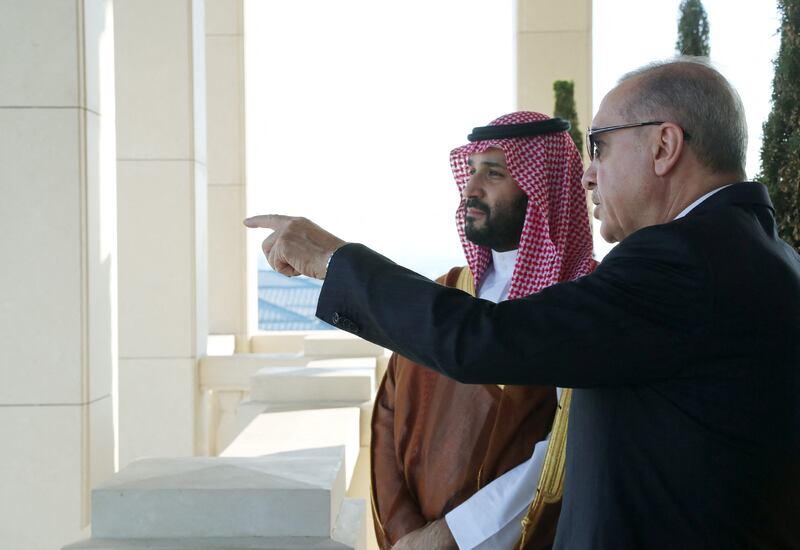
[554, 42]
[227, 260]
[58, 299]
[161, 154]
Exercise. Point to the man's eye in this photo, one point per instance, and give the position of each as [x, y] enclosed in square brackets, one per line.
[496, 174]
[595, 150]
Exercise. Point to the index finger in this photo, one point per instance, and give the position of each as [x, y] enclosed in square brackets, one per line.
[268, 221]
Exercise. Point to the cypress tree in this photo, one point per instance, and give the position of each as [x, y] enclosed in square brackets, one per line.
[565, 108]
[780, 150]
[692, 29]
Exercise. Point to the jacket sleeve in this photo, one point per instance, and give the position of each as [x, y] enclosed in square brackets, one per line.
[635, 319]
[394, 509]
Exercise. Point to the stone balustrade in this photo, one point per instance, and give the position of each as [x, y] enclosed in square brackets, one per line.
[225, 380]
[298, 426]
[285, 500]
[327, 402]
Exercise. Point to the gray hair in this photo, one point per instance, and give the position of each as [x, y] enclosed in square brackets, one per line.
[690, 92]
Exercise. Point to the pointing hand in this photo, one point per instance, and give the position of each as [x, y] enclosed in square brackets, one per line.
[297, 246]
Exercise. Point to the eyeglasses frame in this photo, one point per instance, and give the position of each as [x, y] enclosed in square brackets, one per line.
[591, 132]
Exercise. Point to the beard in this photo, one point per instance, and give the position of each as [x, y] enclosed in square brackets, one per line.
[502, 225]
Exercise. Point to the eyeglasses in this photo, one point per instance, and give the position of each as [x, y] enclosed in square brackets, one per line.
[591, 145]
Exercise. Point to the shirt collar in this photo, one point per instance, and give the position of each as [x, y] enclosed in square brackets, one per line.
[504, 262]
[698, 201]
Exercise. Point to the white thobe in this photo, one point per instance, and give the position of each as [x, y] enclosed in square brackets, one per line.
[491, 518]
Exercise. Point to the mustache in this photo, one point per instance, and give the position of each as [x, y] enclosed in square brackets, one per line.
[477, 204]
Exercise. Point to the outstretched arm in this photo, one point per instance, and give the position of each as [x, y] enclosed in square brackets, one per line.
[623, 324]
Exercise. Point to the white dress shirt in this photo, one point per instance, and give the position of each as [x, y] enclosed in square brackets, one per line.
[698, 201]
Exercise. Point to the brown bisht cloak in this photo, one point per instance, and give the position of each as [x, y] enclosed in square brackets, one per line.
[436, 441]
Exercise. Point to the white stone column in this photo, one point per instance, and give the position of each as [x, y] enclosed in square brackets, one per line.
[227, 260]
[161, 152]
[554, 42]
[58, 295]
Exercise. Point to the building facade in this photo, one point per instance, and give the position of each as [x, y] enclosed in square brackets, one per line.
[122, 171]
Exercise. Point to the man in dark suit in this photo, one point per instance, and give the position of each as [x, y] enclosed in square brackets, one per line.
[683, 346]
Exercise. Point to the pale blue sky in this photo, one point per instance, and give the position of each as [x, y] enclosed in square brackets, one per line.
[354, 105]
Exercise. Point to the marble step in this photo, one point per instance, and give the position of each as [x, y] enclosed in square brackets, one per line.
[344, 362]
[336, 343]
[349, 533]
[235, 371]
[284, 341]
[351, 524]
[296, 493]
[353, 384]
[253, 362]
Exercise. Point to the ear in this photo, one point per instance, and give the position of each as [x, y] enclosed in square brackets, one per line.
[668, 149]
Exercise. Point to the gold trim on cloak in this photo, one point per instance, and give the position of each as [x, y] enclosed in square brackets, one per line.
[551, 482]
[466, 282]
[550, 488]
[375, 509]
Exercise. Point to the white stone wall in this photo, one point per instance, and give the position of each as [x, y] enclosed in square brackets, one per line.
[117, 211]
[58, 299]
[554, 42]
[228, 265]
[161, 152]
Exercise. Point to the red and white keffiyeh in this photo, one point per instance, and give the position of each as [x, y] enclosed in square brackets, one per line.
[556, 240]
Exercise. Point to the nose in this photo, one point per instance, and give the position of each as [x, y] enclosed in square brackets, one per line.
[473, 187]
[589, 179]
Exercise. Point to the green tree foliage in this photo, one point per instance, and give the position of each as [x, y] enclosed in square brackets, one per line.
[565, 108]
[780, 150]
[692, 29]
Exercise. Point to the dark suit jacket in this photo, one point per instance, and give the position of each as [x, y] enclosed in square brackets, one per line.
[684, 347]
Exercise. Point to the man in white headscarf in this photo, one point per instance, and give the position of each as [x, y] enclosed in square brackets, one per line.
[524, 225]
